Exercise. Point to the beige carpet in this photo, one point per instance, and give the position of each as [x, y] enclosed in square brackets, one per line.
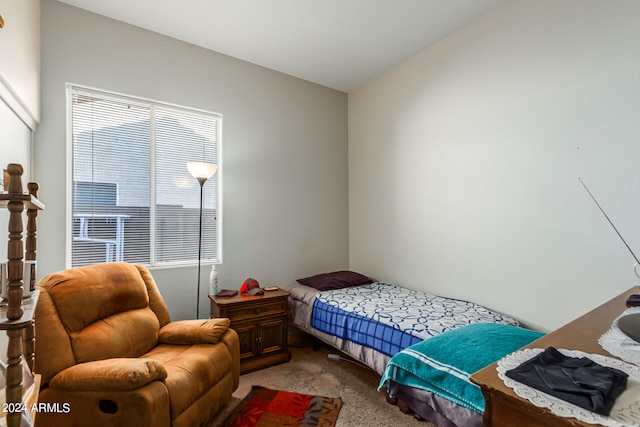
[311, 372]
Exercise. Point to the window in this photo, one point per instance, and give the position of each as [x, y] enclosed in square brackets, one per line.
[132, 198]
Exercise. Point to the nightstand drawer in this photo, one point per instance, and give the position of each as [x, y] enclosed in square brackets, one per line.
[246, 311]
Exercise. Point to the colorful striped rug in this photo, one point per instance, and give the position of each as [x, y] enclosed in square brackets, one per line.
[264, 407]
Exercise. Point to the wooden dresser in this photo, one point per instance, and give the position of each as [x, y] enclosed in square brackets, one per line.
[505, 409]
[261, 324]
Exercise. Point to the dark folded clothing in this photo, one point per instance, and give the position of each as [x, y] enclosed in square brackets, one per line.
[633, 301]
[580, 381]
[226, 293]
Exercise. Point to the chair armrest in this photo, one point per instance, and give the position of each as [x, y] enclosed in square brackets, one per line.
[118, 374]
[232, 342]
[188, 332]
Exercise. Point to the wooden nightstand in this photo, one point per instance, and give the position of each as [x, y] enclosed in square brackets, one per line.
[261, 324]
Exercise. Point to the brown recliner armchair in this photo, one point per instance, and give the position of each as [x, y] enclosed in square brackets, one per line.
[110, 356]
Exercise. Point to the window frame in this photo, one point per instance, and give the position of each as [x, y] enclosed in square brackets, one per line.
[145, 102]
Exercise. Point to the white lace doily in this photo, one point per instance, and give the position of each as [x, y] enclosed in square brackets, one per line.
[619, 344]
[625, 412]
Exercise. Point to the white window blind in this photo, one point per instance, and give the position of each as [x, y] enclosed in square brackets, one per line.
[132, 198]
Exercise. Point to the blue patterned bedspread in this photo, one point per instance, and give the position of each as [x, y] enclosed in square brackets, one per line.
[389, 318]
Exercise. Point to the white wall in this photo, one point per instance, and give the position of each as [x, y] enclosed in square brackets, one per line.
[19, 86]
[15, 147]
[285, 186]
[464, 161]
[20, 56]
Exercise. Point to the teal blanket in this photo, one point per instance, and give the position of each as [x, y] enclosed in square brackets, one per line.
[443, 364]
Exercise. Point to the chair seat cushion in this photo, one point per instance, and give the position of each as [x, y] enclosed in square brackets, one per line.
[191, 371]
[111, 374]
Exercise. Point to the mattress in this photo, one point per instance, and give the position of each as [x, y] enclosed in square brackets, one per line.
[390, 318]
[375, 321]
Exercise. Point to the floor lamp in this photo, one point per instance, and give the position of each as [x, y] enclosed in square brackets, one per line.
[202, 172]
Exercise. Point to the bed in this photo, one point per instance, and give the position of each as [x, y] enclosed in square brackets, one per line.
[379, 323]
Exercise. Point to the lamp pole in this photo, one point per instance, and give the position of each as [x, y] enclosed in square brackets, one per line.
[201, 181]
[201, 171]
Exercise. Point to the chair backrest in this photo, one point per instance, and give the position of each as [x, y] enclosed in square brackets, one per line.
[96, 312]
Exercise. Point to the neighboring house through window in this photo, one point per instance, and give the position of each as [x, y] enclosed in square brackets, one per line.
[132, 198]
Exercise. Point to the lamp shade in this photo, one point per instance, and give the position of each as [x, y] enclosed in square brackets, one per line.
[202, 170]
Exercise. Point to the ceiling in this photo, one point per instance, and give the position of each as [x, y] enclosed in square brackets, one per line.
[340, 44]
